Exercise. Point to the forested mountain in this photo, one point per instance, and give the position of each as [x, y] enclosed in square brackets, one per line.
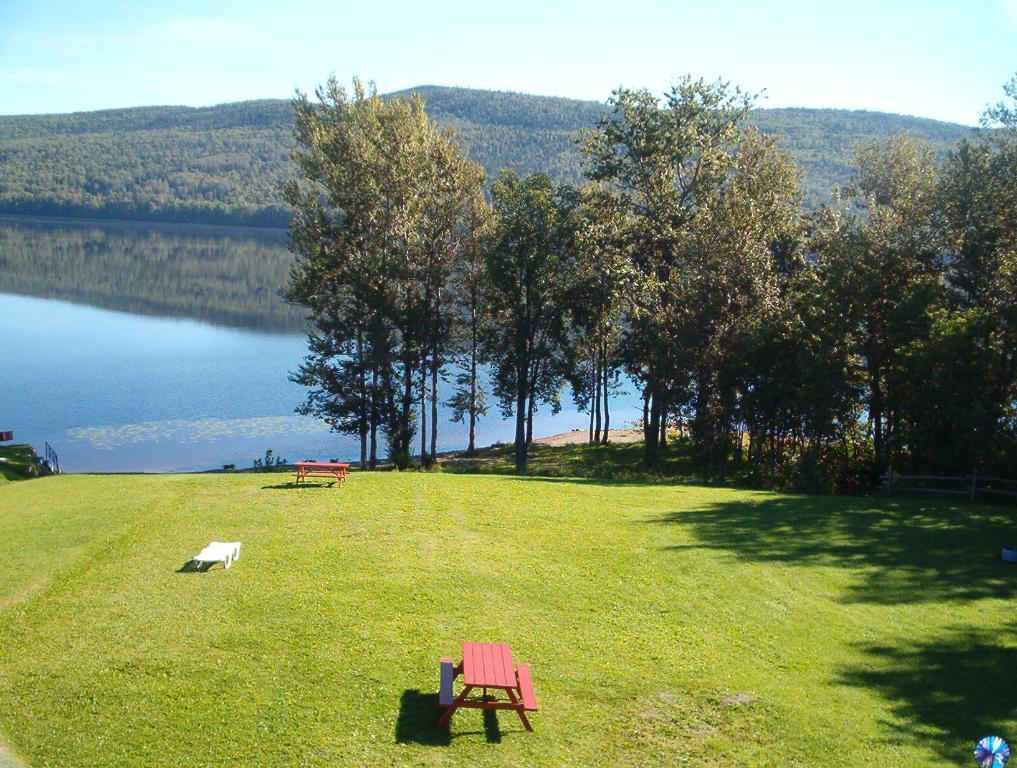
[215, 165]
[224, 164]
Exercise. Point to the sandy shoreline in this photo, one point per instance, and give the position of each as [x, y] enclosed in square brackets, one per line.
[581, 436]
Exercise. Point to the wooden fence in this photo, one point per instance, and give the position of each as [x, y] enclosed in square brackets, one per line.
[970, 486]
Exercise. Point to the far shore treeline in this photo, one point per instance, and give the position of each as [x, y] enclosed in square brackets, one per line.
[803, 348]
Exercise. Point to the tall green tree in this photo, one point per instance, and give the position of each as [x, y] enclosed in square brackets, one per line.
[968, 403]
[798, 376]
[453, 217]
[730, 283]
[341, 234]
[530, 266]
[597, 302]
[380, 217]
[704, 196]
[664, 159]
[470, 287]
[889, 267]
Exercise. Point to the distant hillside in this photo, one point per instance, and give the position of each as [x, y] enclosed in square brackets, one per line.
[225, 164]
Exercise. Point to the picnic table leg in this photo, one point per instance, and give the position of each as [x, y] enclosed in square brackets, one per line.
[454, 706]
[519, 709]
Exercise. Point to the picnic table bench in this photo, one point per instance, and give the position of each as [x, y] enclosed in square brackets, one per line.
[306, 469]
[487, 666]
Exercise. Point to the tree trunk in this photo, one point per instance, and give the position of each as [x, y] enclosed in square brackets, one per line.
[726, 416]
[434, 405]
[596, 397]
[423, 411]
[652, 432]
[607, 411]
[435, 366]
[404, 432]
[522, 399]
[364, 400]
[704, 434]
[363, 445]
[663, 423]
[876, 413]
[532, 387]
[646, 413]
[529, 420]
[473, 382]
[374, 417]
[723, 450]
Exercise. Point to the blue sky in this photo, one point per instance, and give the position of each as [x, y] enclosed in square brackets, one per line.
[945, 59]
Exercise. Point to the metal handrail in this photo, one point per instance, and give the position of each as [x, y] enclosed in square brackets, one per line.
[52, 458]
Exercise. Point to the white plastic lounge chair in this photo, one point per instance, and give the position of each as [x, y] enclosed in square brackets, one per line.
[219, 552]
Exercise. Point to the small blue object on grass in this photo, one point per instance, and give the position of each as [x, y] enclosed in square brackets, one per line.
[992, 752]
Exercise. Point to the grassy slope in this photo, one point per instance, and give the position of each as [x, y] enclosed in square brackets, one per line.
[860, 632]
[19, 459]
[618, 461]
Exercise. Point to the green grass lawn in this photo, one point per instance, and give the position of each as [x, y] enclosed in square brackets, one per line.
[664, 624]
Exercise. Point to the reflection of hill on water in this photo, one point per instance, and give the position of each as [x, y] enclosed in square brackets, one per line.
[222, 276]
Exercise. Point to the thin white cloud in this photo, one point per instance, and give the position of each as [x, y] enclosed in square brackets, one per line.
[30, 76]
[172, 31]
[203, 31]
[70, 44]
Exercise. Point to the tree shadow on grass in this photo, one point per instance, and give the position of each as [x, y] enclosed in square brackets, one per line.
[950, 690]
[617, 461]
[902, 551]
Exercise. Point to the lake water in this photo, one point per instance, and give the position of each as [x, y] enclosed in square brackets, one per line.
[133, 348]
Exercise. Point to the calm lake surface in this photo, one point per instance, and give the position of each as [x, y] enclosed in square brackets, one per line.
[157, 349]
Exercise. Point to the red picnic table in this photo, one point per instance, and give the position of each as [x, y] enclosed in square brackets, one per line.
[306, 469]
[487, 666]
